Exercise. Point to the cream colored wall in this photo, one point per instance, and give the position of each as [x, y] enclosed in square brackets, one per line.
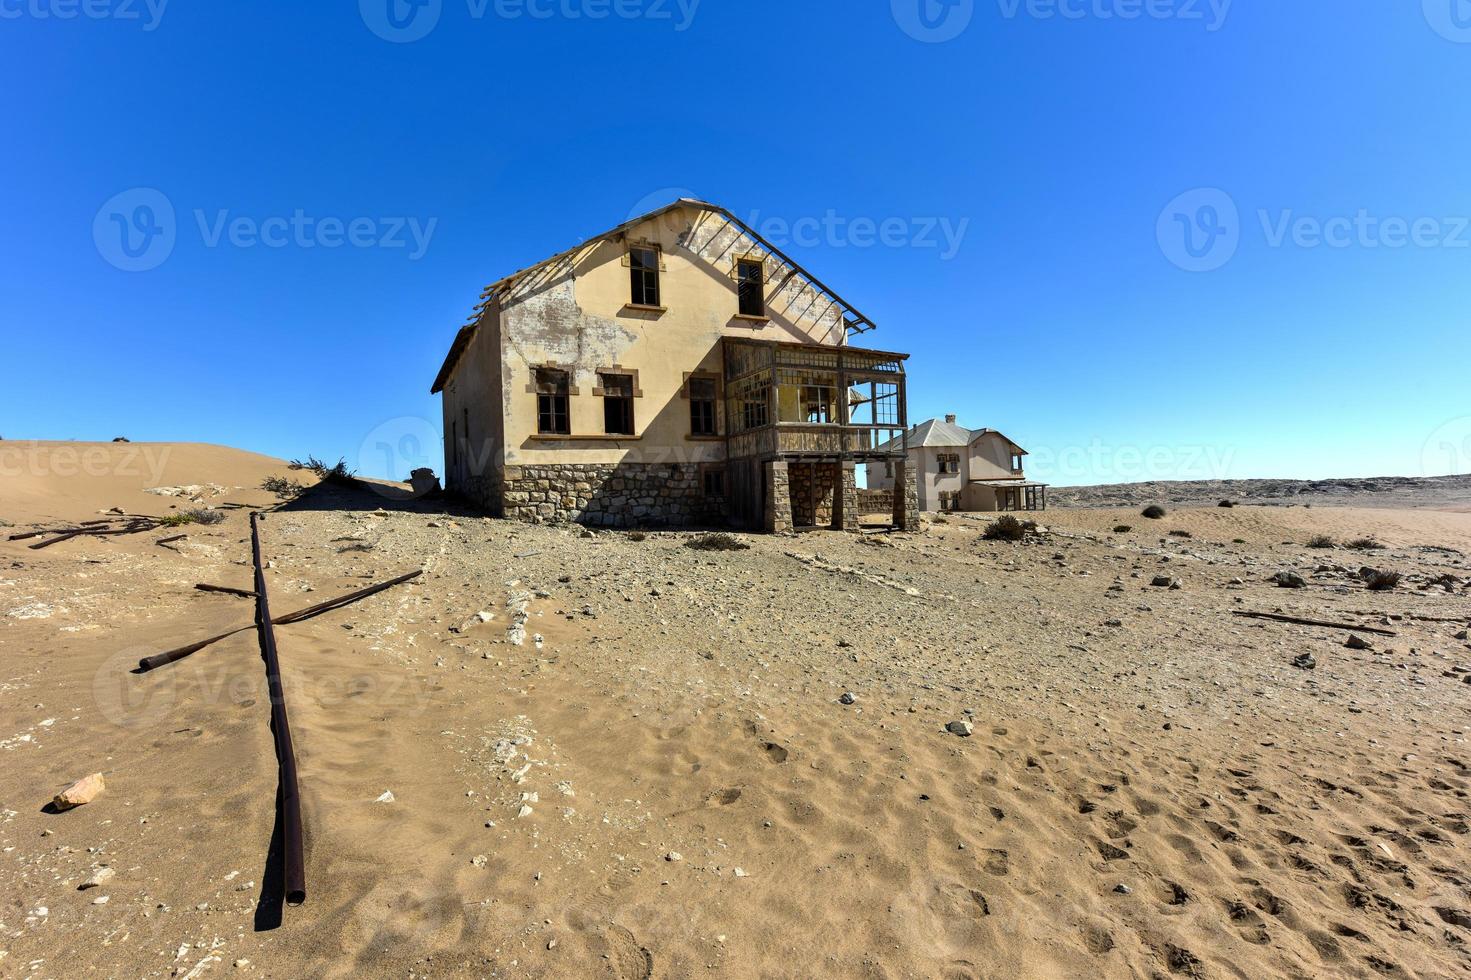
[990, 458]
[580, 319]
[475, 384]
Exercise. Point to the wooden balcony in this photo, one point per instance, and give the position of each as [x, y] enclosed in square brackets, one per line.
[800, 439]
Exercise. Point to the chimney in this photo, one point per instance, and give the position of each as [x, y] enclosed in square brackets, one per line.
[950, 419]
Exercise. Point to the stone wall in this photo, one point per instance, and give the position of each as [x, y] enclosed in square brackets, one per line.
[610, 495]
[847, 501]
[812, 488]
[778, 516]
[875, 501]
[906, 508]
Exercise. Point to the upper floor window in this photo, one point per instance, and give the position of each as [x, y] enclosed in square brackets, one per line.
[949, 463]
[643, 268]
[617, 392]
[1016, 462]
[751, 284]
[553, 414]
[702, 406]
[819, 404]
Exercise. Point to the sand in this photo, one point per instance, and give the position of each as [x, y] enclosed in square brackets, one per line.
[668, 784]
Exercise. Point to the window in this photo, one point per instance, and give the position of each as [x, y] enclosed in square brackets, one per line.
[552, 402]
[949, 463]
[1016, 462]
[888, 469]
[617, 391]
[702, 406]
[643, 267]
[714, 483]
[754, 410]
[818, 403]
[751, 278]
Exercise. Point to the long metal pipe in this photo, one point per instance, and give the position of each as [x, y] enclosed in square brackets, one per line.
[292, 842]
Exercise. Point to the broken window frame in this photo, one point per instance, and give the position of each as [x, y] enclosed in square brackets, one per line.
[618, 390]
[644, 263]
[750, 277]
[553, 401]
[702, 405]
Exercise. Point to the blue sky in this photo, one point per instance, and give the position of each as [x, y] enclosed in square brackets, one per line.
[1145, 238]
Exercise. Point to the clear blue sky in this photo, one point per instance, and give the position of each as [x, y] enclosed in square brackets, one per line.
[1052, 137]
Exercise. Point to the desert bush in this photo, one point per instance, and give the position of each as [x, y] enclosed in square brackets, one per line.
[1154, 512]
[1321, 541]
[1123, 529]
[717, 542]
[1008, 528]
[1181, 534]
[1238, 541]
[636, 536]
[192, 516]
[1378, 581]
[1364, 544]
[327, 474]
[282, 487]
[1227, 503]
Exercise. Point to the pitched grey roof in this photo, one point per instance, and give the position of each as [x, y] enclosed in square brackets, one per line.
[935, 432]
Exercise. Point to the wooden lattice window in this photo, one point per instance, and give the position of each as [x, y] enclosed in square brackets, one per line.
[643, 269]
[553, 402]
[751, 284]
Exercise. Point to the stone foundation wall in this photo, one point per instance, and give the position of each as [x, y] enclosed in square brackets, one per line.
[906, 508]
[778, 492]
[813, 486]
[482, 491]
[610, 495]
[875, 501]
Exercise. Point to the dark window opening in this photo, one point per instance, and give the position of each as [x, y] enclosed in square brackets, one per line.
[1016, 462]
[818, 403]
[643, 267]
[949, 463]
[754, 413]
[617, 404]
[702, 406]
[715, 483]
[553, 414]
[751, 275]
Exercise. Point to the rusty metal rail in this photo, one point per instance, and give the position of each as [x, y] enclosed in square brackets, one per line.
[292, 841]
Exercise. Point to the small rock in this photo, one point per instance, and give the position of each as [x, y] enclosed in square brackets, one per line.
[1305, 661]
[673, 856]
[387, 797]
[479, 860]
[848, 697]
[740, 873]
[1463, 635]
[99, 878]
[961, 728]
[1356, 642]
[84, 790]
[1164, 582]
[1123, 889]
[1289, 580]
[101, 899]
[1113, 622]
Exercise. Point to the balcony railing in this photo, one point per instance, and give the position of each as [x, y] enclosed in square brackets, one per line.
[804, 439]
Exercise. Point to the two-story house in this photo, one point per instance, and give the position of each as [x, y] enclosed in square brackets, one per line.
[956, 468]
[678, 370]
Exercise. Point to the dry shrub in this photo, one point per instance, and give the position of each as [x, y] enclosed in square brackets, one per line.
[1123, 529]
[636, 536]
[1378, 581]
[1321, 541]
[283, 488]
[1181, 534]
[1364, 544]
[1227, 503]
[1154, 512]
[1008, 528]
[717, 542]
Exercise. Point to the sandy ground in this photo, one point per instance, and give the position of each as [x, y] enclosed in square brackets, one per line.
[662, 779]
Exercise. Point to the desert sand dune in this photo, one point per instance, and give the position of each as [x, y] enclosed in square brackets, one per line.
[662, 779]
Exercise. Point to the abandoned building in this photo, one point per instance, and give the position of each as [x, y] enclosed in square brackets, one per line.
[962, 469]
[675, 371]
